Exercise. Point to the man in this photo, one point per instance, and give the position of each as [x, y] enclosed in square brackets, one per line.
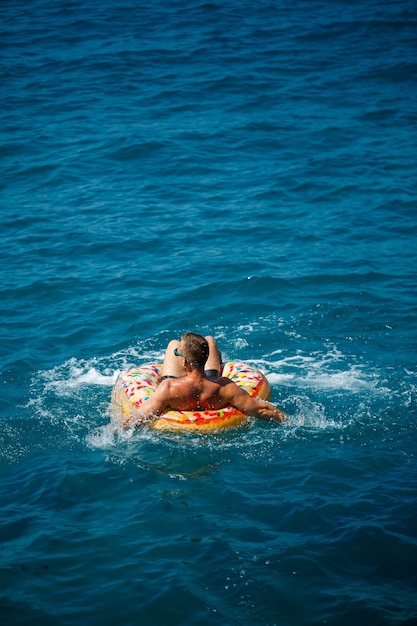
[191, 381]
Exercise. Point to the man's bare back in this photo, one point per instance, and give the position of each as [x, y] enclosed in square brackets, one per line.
[190, 393]
[187, 387]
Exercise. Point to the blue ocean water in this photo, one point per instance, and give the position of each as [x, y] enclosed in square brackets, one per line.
[245, 169]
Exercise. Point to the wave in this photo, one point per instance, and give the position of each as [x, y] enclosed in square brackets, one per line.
[325, 390]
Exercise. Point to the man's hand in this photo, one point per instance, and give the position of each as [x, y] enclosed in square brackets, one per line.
[270, 413]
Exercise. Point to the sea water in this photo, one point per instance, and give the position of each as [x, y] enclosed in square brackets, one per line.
[244, 169]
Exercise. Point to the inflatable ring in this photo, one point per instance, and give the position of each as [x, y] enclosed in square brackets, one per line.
[134, 387]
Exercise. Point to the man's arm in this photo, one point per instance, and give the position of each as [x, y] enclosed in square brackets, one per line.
[242, 401]
[156, 405]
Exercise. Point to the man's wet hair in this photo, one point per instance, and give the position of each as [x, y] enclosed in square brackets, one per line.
[196, 349]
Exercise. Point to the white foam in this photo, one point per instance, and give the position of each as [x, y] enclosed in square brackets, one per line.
[350, 380]
[103, 371]
[329, 371]
[63, 380]
[93, 377]
[279, 379]
[240, 343]
[103, 437]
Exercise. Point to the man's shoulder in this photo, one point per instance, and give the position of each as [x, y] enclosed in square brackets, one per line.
[171, 382]
[174, 386]
[223, 380]
[227, 387]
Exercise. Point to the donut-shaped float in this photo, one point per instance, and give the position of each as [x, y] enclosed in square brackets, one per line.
[134, 387]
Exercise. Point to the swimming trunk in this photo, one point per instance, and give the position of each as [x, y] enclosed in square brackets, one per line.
[212, 373]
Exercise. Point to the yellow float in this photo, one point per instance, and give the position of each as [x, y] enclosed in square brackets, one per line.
[134, 387]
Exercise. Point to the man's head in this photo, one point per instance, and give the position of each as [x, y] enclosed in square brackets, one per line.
[195, 350]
